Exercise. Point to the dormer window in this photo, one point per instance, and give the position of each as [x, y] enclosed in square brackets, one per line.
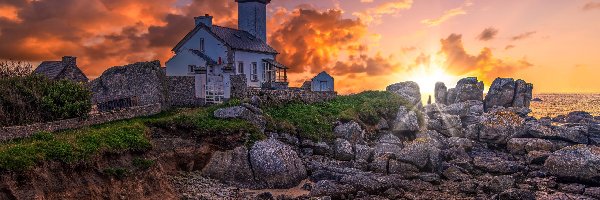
[201, 44]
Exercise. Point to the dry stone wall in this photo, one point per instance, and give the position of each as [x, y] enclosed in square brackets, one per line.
[16, 132]
[182, 91]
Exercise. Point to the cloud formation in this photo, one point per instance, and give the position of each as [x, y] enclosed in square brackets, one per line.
[523, 35]
[449, 14]
[374, 15]
[488, 34]
[484, 65]
[591, 6]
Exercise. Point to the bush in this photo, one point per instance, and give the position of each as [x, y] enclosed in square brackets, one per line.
[33, 98]
[66, 99]
[143, 164]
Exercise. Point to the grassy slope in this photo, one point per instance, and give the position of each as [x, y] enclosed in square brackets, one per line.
[312, 121]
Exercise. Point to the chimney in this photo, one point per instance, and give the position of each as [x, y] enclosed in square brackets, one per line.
[206, 20]
[69, 60]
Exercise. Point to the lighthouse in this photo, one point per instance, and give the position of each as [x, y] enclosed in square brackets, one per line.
[252, 17]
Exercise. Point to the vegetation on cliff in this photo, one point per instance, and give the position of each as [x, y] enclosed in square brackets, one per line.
[316, 121]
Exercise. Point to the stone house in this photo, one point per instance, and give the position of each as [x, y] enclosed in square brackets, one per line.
[322, 82]
[212, 54]
[64, 69]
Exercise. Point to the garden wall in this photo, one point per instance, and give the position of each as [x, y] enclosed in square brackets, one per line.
[16, 132]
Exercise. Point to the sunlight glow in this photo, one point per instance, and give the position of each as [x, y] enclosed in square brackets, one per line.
[428, 73]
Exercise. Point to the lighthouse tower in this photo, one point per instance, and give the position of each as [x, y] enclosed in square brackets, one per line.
[252, 17]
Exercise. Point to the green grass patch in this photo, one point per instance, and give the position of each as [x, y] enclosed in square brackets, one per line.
[315, 121]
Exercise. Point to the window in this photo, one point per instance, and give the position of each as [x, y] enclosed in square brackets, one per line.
[191, 69]
[265, 70]
[254, 72]
[202, 44]
[241, 68]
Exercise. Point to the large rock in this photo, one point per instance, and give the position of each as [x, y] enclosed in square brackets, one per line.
[343, 150]
[506, 92]
[247, 112]
[350, 131]
[576, 134]
[501, 93]
[468, 89]
[525, 145]
[406, 120]
[408, 90]
[499, 126]
[230, 166]
[422, 153]
[276, 165]
[575, 163]
[523, 94]
[440, 93]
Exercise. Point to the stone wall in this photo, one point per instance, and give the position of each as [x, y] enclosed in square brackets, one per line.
[239, 86]
[16, 132]
[182, 91]
[143, 81]
[270, 97]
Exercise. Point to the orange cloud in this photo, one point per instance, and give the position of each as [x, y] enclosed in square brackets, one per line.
[449, 14]
[373, 15]
[484, 65]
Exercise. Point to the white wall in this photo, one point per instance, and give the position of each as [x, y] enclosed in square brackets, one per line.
[248, 58]
[318, 85]
[214, 48]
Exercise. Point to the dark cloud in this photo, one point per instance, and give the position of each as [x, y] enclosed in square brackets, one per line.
[488, 34]
[509, 47]
[523, 35]
[485, 64]
[591, 6]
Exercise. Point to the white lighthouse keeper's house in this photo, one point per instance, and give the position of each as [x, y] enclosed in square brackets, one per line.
[213, 53]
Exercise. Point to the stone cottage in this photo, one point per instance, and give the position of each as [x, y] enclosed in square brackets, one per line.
[323, 82]
[64, 69]
[138, 84]
[212, 54]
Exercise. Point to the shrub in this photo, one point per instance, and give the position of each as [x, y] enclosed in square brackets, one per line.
[34, 98]
[116, 172]
[66, 99]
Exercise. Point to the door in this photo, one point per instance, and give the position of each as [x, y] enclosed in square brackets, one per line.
[323, 86]
[215, 90]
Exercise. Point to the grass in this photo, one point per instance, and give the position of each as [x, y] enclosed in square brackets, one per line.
[309, 121]
[81, 145]
[315, 121]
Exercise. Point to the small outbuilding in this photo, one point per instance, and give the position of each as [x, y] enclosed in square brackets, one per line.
[323, 82]
[64, 69]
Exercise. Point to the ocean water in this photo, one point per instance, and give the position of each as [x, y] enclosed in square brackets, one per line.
[553, 105]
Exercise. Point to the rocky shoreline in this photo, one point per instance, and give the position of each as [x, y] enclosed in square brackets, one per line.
[463, 147]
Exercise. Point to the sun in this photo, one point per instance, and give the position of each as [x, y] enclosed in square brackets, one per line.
[428, 74]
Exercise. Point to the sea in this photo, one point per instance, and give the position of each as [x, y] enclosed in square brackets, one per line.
[552, 105]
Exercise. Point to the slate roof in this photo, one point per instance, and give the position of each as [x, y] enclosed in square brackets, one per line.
[275, 63]
[209, 60]
[50, 69]
[236, 39]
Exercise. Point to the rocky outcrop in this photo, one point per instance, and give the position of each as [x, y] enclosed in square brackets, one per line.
[466, 89]
[506, 92]
[276, 165]
[406, 120]
[246, 112]
[499, 126]
[409, 91]
[440, 93]
[350, 131]
[230, 166]
[576, 163]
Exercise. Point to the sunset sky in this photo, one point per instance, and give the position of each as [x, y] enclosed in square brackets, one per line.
[364, 44]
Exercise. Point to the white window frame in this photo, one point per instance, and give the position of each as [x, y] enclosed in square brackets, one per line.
[240, 67]
[202, 44]
[254, 72]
